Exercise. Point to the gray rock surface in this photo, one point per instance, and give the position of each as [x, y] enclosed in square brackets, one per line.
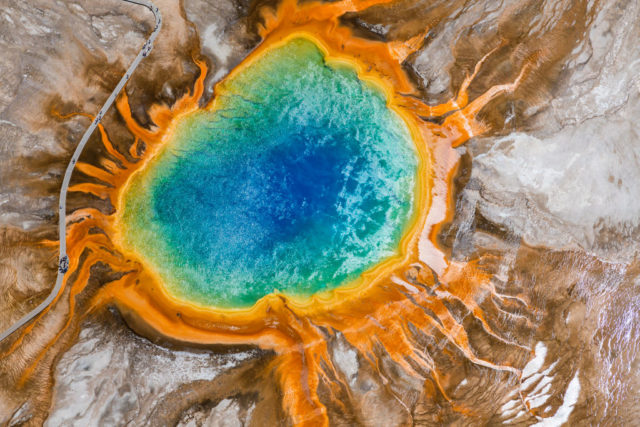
[573, 179]
[113, 377]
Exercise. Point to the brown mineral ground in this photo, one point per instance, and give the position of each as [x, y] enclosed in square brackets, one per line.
[544, 205]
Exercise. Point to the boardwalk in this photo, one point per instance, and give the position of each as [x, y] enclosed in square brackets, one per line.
[63, 261]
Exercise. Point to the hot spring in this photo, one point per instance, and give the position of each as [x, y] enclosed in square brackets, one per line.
[298, 179]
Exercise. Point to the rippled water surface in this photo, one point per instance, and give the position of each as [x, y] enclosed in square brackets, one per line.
[298, 180]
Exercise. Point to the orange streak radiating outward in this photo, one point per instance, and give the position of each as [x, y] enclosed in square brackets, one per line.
[380, 309]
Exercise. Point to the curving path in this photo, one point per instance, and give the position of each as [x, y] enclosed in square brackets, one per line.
[63, 262]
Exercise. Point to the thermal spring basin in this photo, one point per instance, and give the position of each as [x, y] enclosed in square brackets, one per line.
[297, 179]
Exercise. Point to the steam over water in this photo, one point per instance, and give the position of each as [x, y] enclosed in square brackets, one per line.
[546, 204]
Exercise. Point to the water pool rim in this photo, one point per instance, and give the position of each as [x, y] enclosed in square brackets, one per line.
[323, 299]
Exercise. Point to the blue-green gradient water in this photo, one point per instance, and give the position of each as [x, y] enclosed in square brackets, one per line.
[299, 181]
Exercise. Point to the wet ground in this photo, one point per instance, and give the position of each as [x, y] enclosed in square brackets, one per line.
[547, 201]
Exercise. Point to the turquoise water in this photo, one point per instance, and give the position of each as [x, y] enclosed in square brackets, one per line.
[299, 181]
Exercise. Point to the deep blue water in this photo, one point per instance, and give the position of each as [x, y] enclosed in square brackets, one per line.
[298, 180]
